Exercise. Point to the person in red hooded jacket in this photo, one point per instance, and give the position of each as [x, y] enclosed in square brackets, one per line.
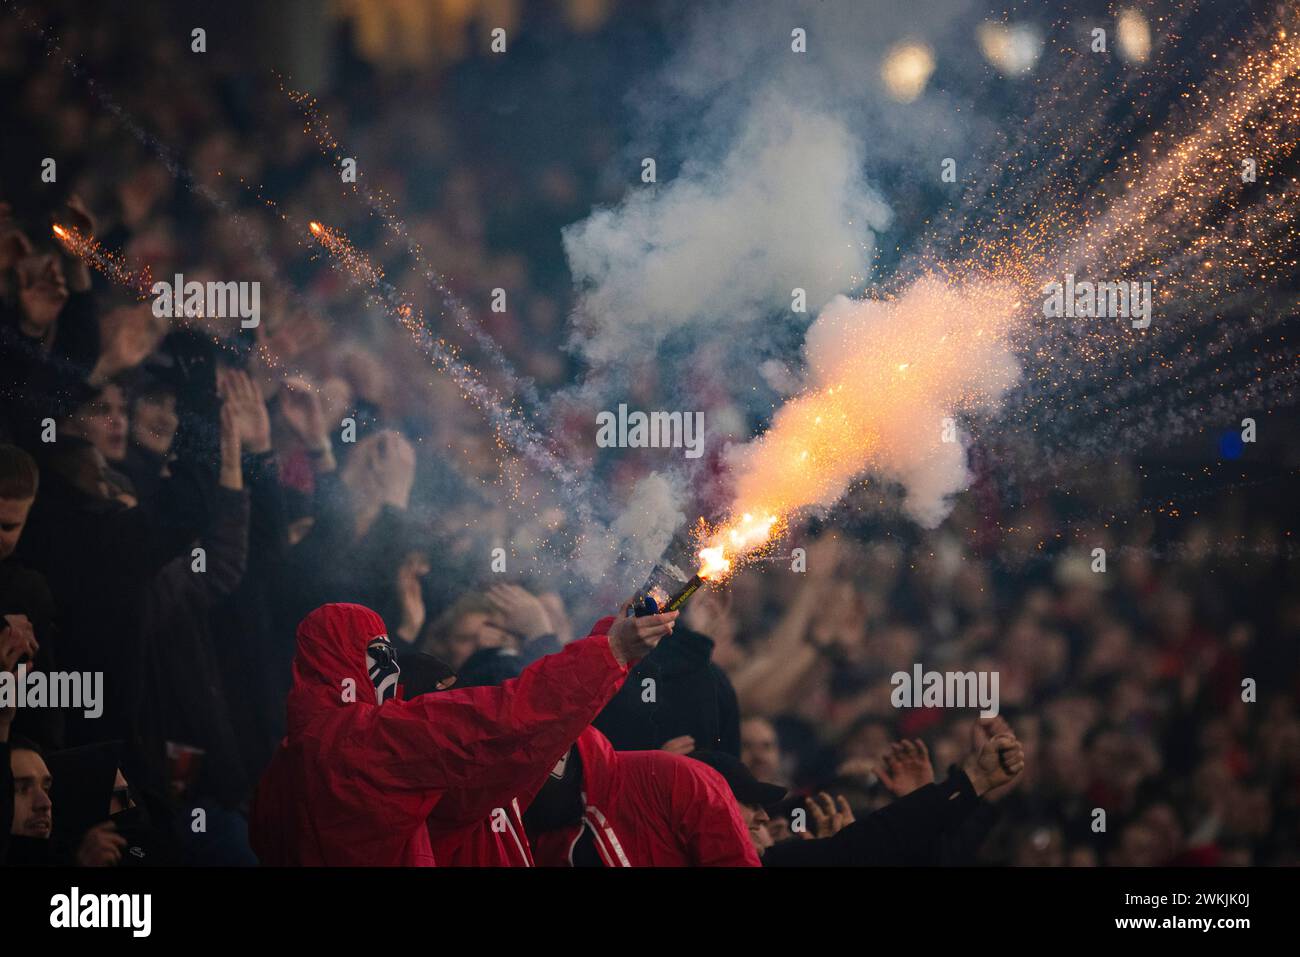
[360, 771]
[607, 808]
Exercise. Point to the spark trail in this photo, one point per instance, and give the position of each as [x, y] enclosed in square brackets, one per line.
[380, 206]
[510, 429]
[111, 265]
[884, 372]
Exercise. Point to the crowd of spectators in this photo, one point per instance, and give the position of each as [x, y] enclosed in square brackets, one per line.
[174, 498]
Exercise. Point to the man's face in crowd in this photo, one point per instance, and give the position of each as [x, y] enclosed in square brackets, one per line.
[759, 749]
[154, 422]
[33, 813]
[103, 422]
[42, 290]
[13, 516]
[756, 819]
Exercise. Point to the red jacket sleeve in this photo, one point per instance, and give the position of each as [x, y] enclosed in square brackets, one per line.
[708, 819]
[491, 742]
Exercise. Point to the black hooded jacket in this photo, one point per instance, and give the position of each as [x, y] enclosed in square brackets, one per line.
[689, 695]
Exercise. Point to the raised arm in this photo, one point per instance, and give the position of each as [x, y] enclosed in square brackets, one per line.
[492, 743]
[911, 830]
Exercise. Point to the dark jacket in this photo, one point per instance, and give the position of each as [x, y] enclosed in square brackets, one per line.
[98, 557]
[183, 698]
[911, 831]
[145, 470]
[691, 695]
[244, 625]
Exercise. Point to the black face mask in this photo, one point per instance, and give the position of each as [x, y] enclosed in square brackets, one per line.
[559, 802]
[381, 663]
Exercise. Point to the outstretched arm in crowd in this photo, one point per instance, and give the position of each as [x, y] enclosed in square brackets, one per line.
[496, 742]
[242, 401]
[225, 542]
[910, 830]
[359, 512]
[904, 767]
[766, 682]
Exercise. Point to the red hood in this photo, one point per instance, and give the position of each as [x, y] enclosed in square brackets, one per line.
[331, 649]
[358, 783]
[651, 809]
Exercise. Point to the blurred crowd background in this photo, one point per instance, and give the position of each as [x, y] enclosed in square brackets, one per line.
[1125, 687]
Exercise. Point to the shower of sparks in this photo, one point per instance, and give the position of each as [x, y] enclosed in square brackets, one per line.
[1174, 210]
[510, 428]
[139, 282]
[355, 263]
[1169, 207]
[112, 265]
[383, 207]
[745, 538]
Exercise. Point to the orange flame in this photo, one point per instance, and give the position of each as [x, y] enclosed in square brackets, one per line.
[737, 539]
[713, 564]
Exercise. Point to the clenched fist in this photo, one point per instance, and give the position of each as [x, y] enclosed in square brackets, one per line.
[996, 757]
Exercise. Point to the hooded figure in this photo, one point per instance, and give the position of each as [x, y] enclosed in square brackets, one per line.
[636, 809]
[360, 771]
[86, 794]
[83, 788]
[694, 697]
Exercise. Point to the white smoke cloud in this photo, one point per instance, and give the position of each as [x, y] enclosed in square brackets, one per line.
[773, 150]
[886, 383]
[638, 535]
[725, 245]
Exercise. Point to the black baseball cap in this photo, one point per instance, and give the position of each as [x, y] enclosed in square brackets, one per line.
[747, 788]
